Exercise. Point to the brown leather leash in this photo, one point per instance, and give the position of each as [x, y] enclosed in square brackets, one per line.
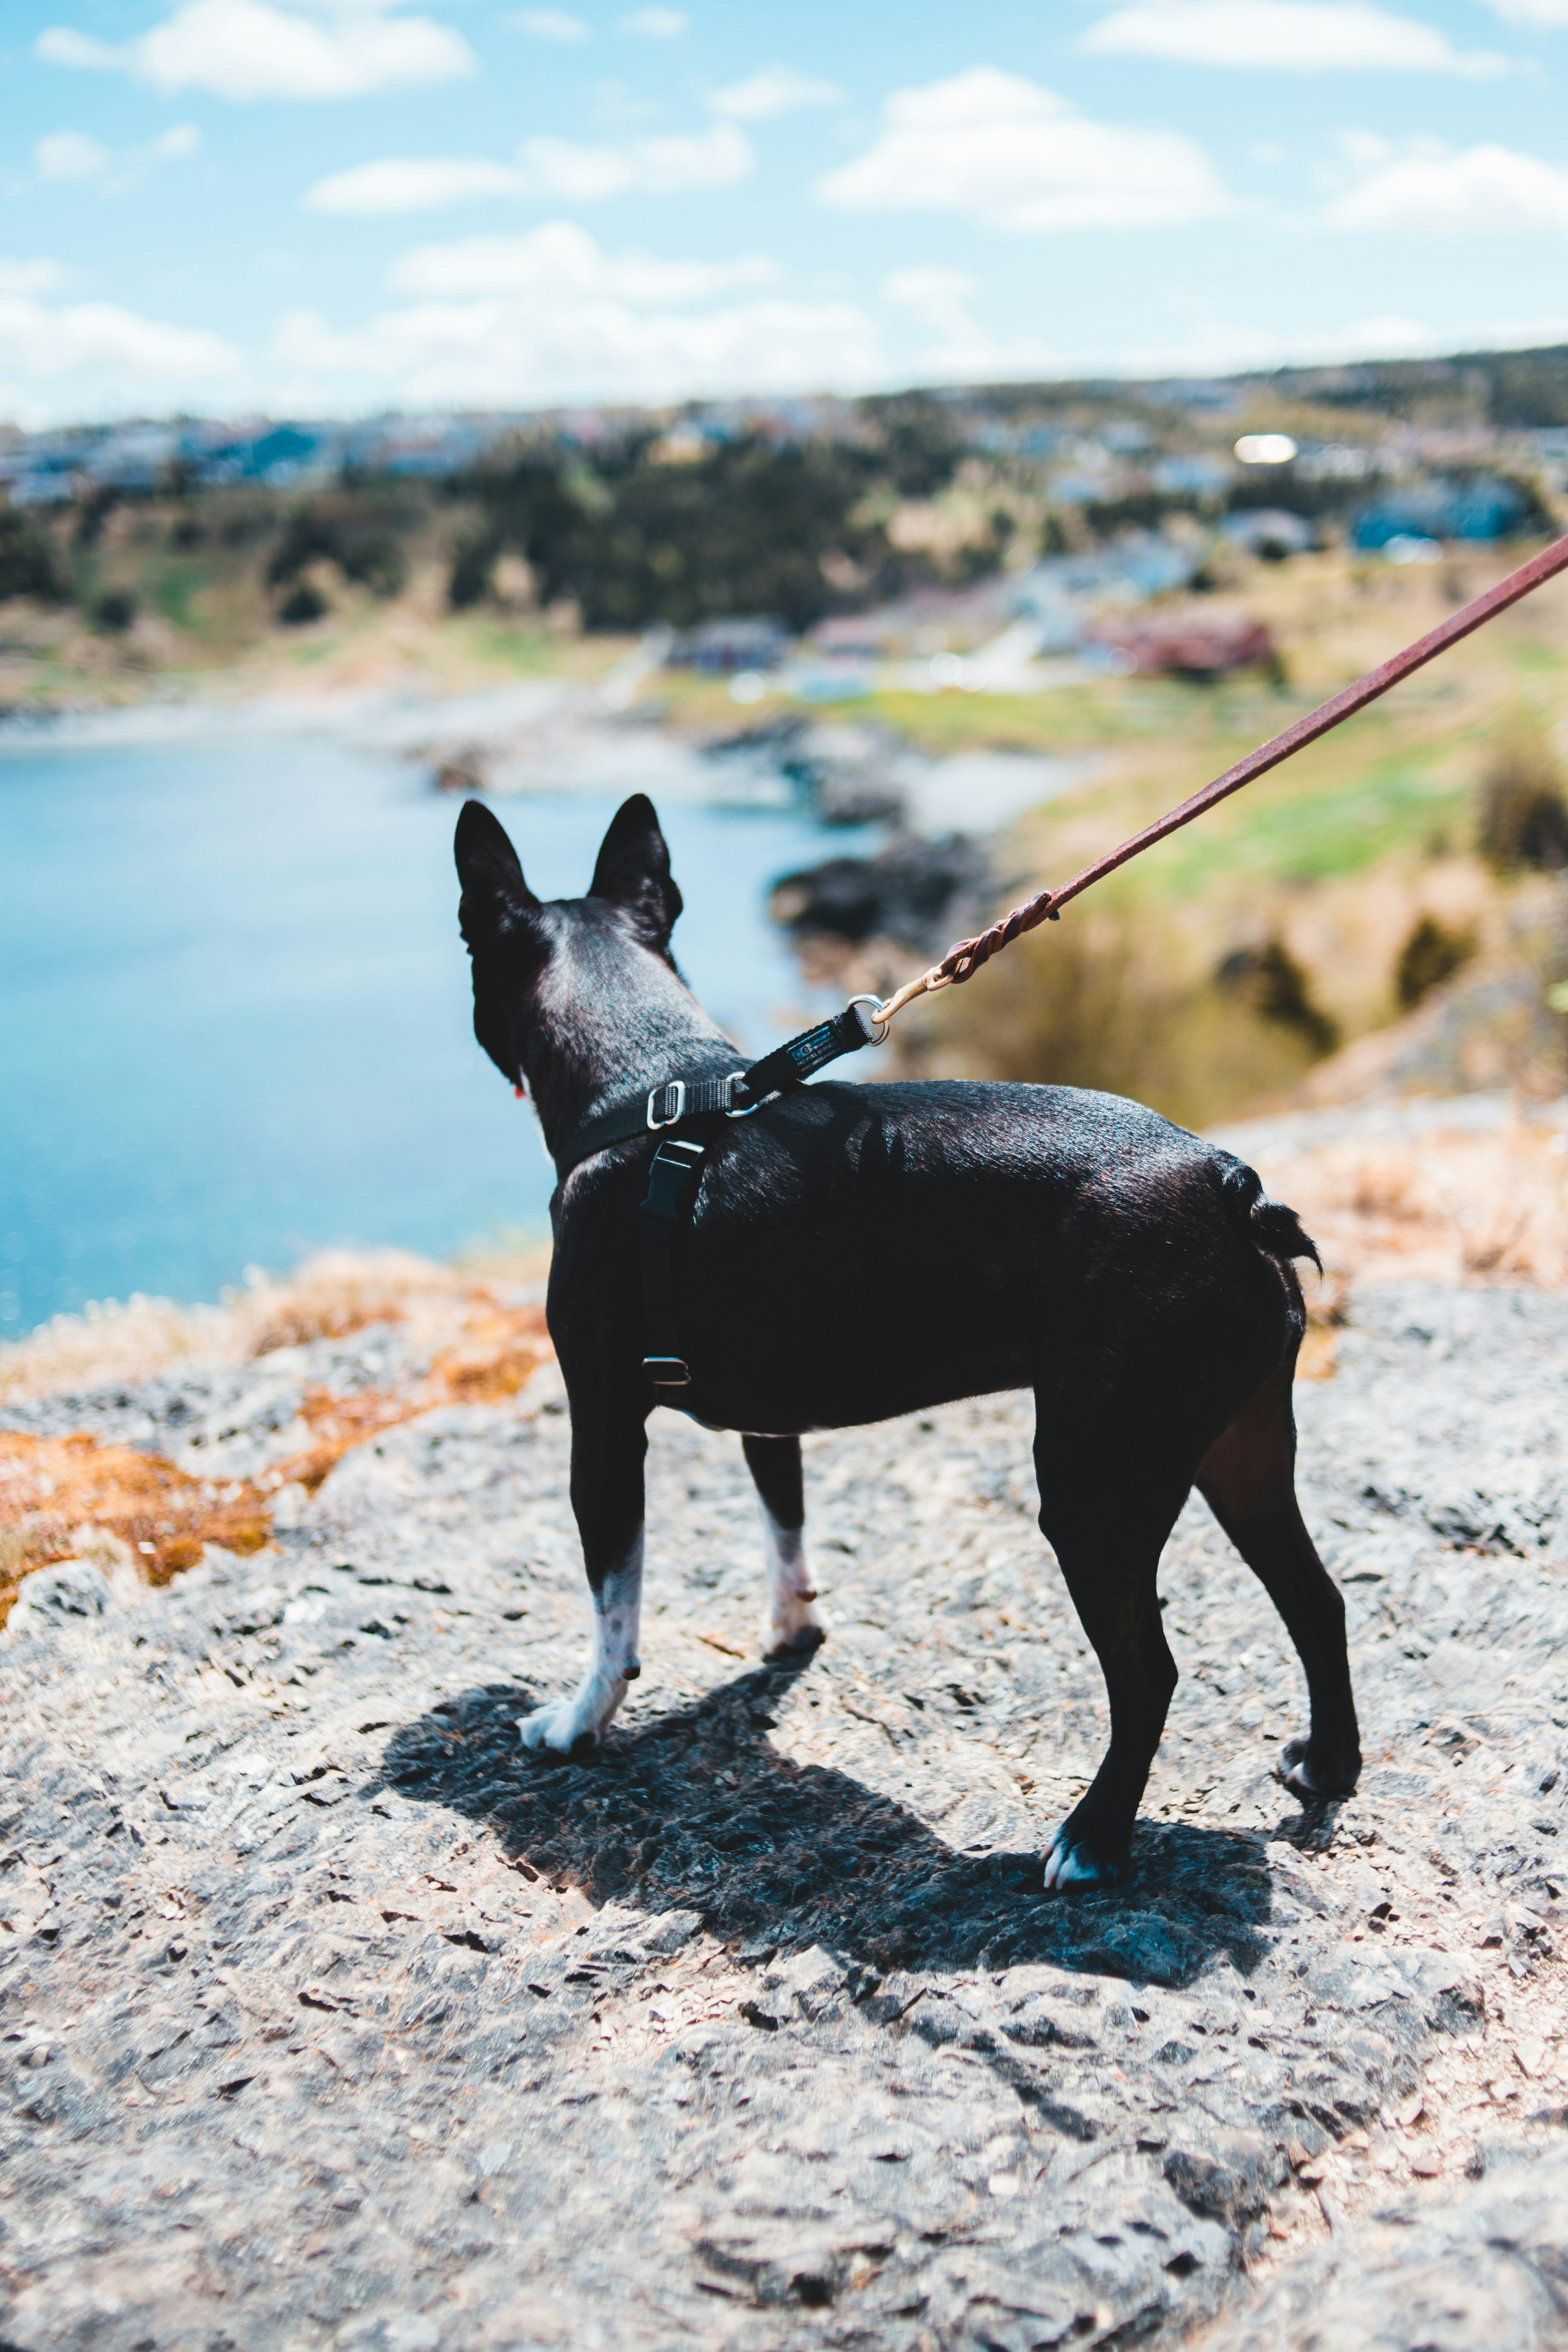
[963, 960]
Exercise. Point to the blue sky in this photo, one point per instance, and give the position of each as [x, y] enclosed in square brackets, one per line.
[339, 206]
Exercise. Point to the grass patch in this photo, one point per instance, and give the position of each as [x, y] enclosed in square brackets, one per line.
[1065, 720]
[509, 645]
[174, 588]
[1534, 658]
[1319, 832]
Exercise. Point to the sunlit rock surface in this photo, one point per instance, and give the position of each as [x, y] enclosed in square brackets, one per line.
[330, 2017]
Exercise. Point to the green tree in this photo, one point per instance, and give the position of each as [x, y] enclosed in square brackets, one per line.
[30, 561]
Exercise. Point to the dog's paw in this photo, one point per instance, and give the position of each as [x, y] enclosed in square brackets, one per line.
[1314, 1778]
[793, 1632]
[1073, 1862]
[582, 1720]
[555, 1726]
[562, 1724]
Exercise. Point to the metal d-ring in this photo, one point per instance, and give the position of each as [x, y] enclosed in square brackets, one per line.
[671, 1086]
[876, 1004]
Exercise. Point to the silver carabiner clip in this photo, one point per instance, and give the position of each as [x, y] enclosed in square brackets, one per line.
[874, 1036]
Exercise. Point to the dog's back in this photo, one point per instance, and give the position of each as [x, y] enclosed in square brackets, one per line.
[860, 1251]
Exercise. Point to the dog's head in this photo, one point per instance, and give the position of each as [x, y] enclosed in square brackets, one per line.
[555, 980]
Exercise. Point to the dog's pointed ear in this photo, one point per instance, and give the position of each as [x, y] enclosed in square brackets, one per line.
[633, 872]
[495, 896]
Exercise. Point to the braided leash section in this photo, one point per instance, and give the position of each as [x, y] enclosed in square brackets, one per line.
[969, 956]
[963, 960]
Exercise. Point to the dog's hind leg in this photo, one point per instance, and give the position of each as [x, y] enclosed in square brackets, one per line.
[607, 1451]
[791, 1622]
[1107, 1546]
[1248, 1479]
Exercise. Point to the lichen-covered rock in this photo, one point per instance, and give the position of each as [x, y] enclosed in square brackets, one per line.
[1483, 2272]
[329, 2017]
[67, 1592]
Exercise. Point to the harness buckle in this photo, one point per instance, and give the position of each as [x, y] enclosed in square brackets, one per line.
[667, 1371]
[739, 1110]
[676, 1087]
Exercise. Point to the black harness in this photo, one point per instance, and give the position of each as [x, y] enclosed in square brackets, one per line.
[688, 1115]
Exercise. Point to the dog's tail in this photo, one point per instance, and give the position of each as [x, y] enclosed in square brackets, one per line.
[1276, 1230]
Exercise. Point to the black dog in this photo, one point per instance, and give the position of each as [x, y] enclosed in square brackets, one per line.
[862, 1250]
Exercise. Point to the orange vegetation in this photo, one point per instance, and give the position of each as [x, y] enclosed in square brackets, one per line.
[64, 1495]
[1444, 1207]
[57, 1493]
[1445, 1202]
[1326, 1313]
[331, 1294]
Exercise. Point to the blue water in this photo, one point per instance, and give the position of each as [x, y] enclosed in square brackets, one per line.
[235, 1011]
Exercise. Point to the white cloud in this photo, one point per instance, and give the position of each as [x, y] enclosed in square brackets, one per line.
[495, 354]
[939, 298]
[1551, 15]
[657, 24]
[964, 349]
[74, 155]
[1289, 36]
[1006, 152]
[579, 174]
[551, 25]
[37, 277]
[961, 348]
[71, 156]
[1220, 347]
[411, 184]
[1363, 148]
[1484, 190]
[250, 49]
[1217, 347]
[562, 258]
[553, 318]
[85, 358]
[774, 90]
[549, 167]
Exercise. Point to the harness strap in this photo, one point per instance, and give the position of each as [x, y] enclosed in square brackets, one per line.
[682, 1102]
[672, 1182]
[799, 1058]
[668, 1106]
[686, 1114]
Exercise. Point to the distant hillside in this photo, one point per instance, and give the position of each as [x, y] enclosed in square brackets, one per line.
[1509, 391]
[193, 545]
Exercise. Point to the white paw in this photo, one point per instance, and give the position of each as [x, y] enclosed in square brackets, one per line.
[564, 1721]
[796, 1625]
[557, 1725]
[1068, 1866]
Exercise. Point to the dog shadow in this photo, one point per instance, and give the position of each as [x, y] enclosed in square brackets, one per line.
[695, 1809]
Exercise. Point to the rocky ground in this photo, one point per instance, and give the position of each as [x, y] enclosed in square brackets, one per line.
[328, 2017]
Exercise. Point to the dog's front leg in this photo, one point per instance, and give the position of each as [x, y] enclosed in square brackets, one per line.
[608, 1453]
[791, 1622]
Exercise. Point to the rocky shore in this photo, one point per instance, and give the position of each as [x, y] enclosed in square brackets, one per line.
[332, 2019]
